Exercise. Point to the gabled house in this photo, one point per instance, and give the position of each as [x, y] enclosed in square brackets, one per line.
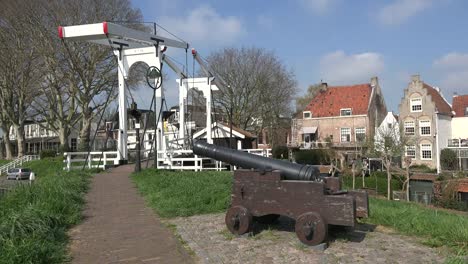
[388, 127]
[459, 139]
[340, 116]
[425, 117]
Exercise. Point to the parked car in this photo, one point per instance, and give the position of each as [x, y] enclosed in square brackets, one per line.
[18, 173]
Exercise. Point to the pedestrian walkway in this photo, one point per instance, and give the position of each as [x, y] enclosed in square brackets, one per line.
[119, 228]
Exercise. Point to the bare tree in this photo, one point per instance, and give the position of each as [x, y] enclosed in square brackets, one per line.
[303, 101]
[388, 144]
[258, 87]
[19, 61]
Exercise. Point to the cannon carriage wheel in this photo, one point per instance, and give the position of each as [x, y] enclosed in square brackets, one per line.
[238, 220]
[311, 228]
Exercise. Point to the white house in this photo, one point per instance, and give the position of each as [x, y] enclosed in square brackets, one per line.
[388, 127]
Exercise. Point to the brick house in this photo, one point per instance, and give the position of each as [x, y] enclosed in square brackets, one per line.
[341, 117]
[425, 117]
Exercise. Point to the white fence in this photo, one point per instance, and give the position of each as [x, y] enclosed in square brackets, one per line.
[94, 159]
[17, 162]
[171, 159]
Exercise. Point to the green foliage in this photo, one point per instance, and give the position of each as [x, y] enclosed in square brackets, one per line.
[436, 227]
[184, 193]
[34, 218]
[377, 180]
[3, 162]
[448, 159]
[422, 168]
[313, 156]
[280, 152]
[303, 101]
[48, 153]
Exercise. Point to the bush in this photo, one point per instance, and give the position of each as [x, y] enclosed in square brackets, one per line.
[280, 152]
[313, 156]
[448, 159]
[48, 153]
[422, 168]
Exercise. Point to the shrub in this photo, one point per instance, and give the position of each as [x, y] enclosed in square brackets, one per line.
[448, 159]
[280, 152]
[48, 153]
[422, 168]
[313, 156]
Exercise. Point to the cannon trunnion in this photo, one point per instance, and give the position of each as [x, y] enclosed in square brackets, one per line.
[281, 188]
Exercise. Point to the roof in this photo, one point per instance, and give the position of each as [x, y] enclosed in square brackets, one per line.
[442, 106]
[463, 186]
[329, 102]
[423, 177]
[459, 104]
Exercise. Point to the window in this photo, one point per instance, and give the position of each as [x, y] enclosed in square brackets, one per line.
[389, 125]
[426, 151]
[345, 134]
[345, 112]
[425, 127]
[307, 114]
[73, 142]
[416, 105]
[409, 127]
[410, 151]
[466, 111]
[360, 133]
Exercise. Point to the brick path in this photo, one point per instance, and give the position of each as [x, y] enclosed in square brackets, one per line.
[119, 228]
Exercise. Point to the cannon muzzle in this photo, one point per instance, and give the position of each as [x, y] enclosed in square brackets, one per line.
[288, 170]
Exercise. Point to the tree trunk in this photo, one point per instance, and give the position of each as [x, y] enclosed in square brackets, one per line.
[354, 175]
[20, 139]
[7, 144]
[64, 133]
[407, 183]
[85, 131]
[389, 180]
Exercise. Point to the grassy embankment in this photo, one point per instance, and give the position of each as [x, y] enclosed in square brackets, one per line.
[174, 194]
[34, 219]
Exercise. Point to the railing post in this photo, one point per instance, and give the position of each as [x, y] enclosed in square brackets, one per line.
[68, 160]
[104, 160]
[89, 161]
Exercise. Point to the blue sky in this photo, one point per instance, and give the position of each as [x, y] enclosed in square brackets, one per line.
[338, 41]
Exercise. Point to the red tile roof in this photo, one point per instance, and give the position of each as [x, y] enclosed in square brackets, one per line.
[459, 104]
[330, 101]
[462, 186]
[441, 104]
[423, 177]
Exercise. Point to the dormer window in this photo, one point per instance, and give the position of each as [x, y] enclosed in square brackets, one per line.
[307, 114]
[416, 105]
[346, 112]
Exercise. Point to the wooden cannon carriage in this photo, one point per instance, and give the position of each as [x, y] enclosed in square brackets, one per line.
[278, 187]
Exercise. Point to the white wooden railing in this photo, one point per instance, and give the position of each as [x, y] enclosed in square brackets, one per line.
[94, 159]
[17, 162]
[260, 152]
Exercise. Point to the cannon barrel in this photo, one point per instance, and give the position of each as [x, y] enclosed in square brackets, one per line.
[288, 170]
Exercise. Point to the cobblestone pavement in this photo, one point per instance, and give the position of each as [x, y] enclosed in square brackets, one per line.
[209, 238]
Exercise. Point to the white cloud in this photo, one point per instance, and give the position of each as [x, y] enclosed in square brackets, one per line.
[265, 22]
[205, 25]
[318, 6]
[400, 11]
[340, 68]
[453, 69]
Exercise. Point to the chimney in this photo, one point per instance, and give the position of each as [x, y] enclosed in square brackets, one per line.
[374, 81]
[437, 89]
[415, 78]
[323, 86]
[455, 94]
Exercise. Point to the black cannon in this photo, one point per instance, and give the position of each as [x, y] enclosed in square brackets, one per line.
[288, 170]
[277, 188]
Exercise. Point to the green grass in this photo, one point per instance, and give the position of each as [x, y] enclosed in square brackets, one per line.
[436, 227]
[377, 180]
[34, 219]
[184, 193]
[2, 162]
